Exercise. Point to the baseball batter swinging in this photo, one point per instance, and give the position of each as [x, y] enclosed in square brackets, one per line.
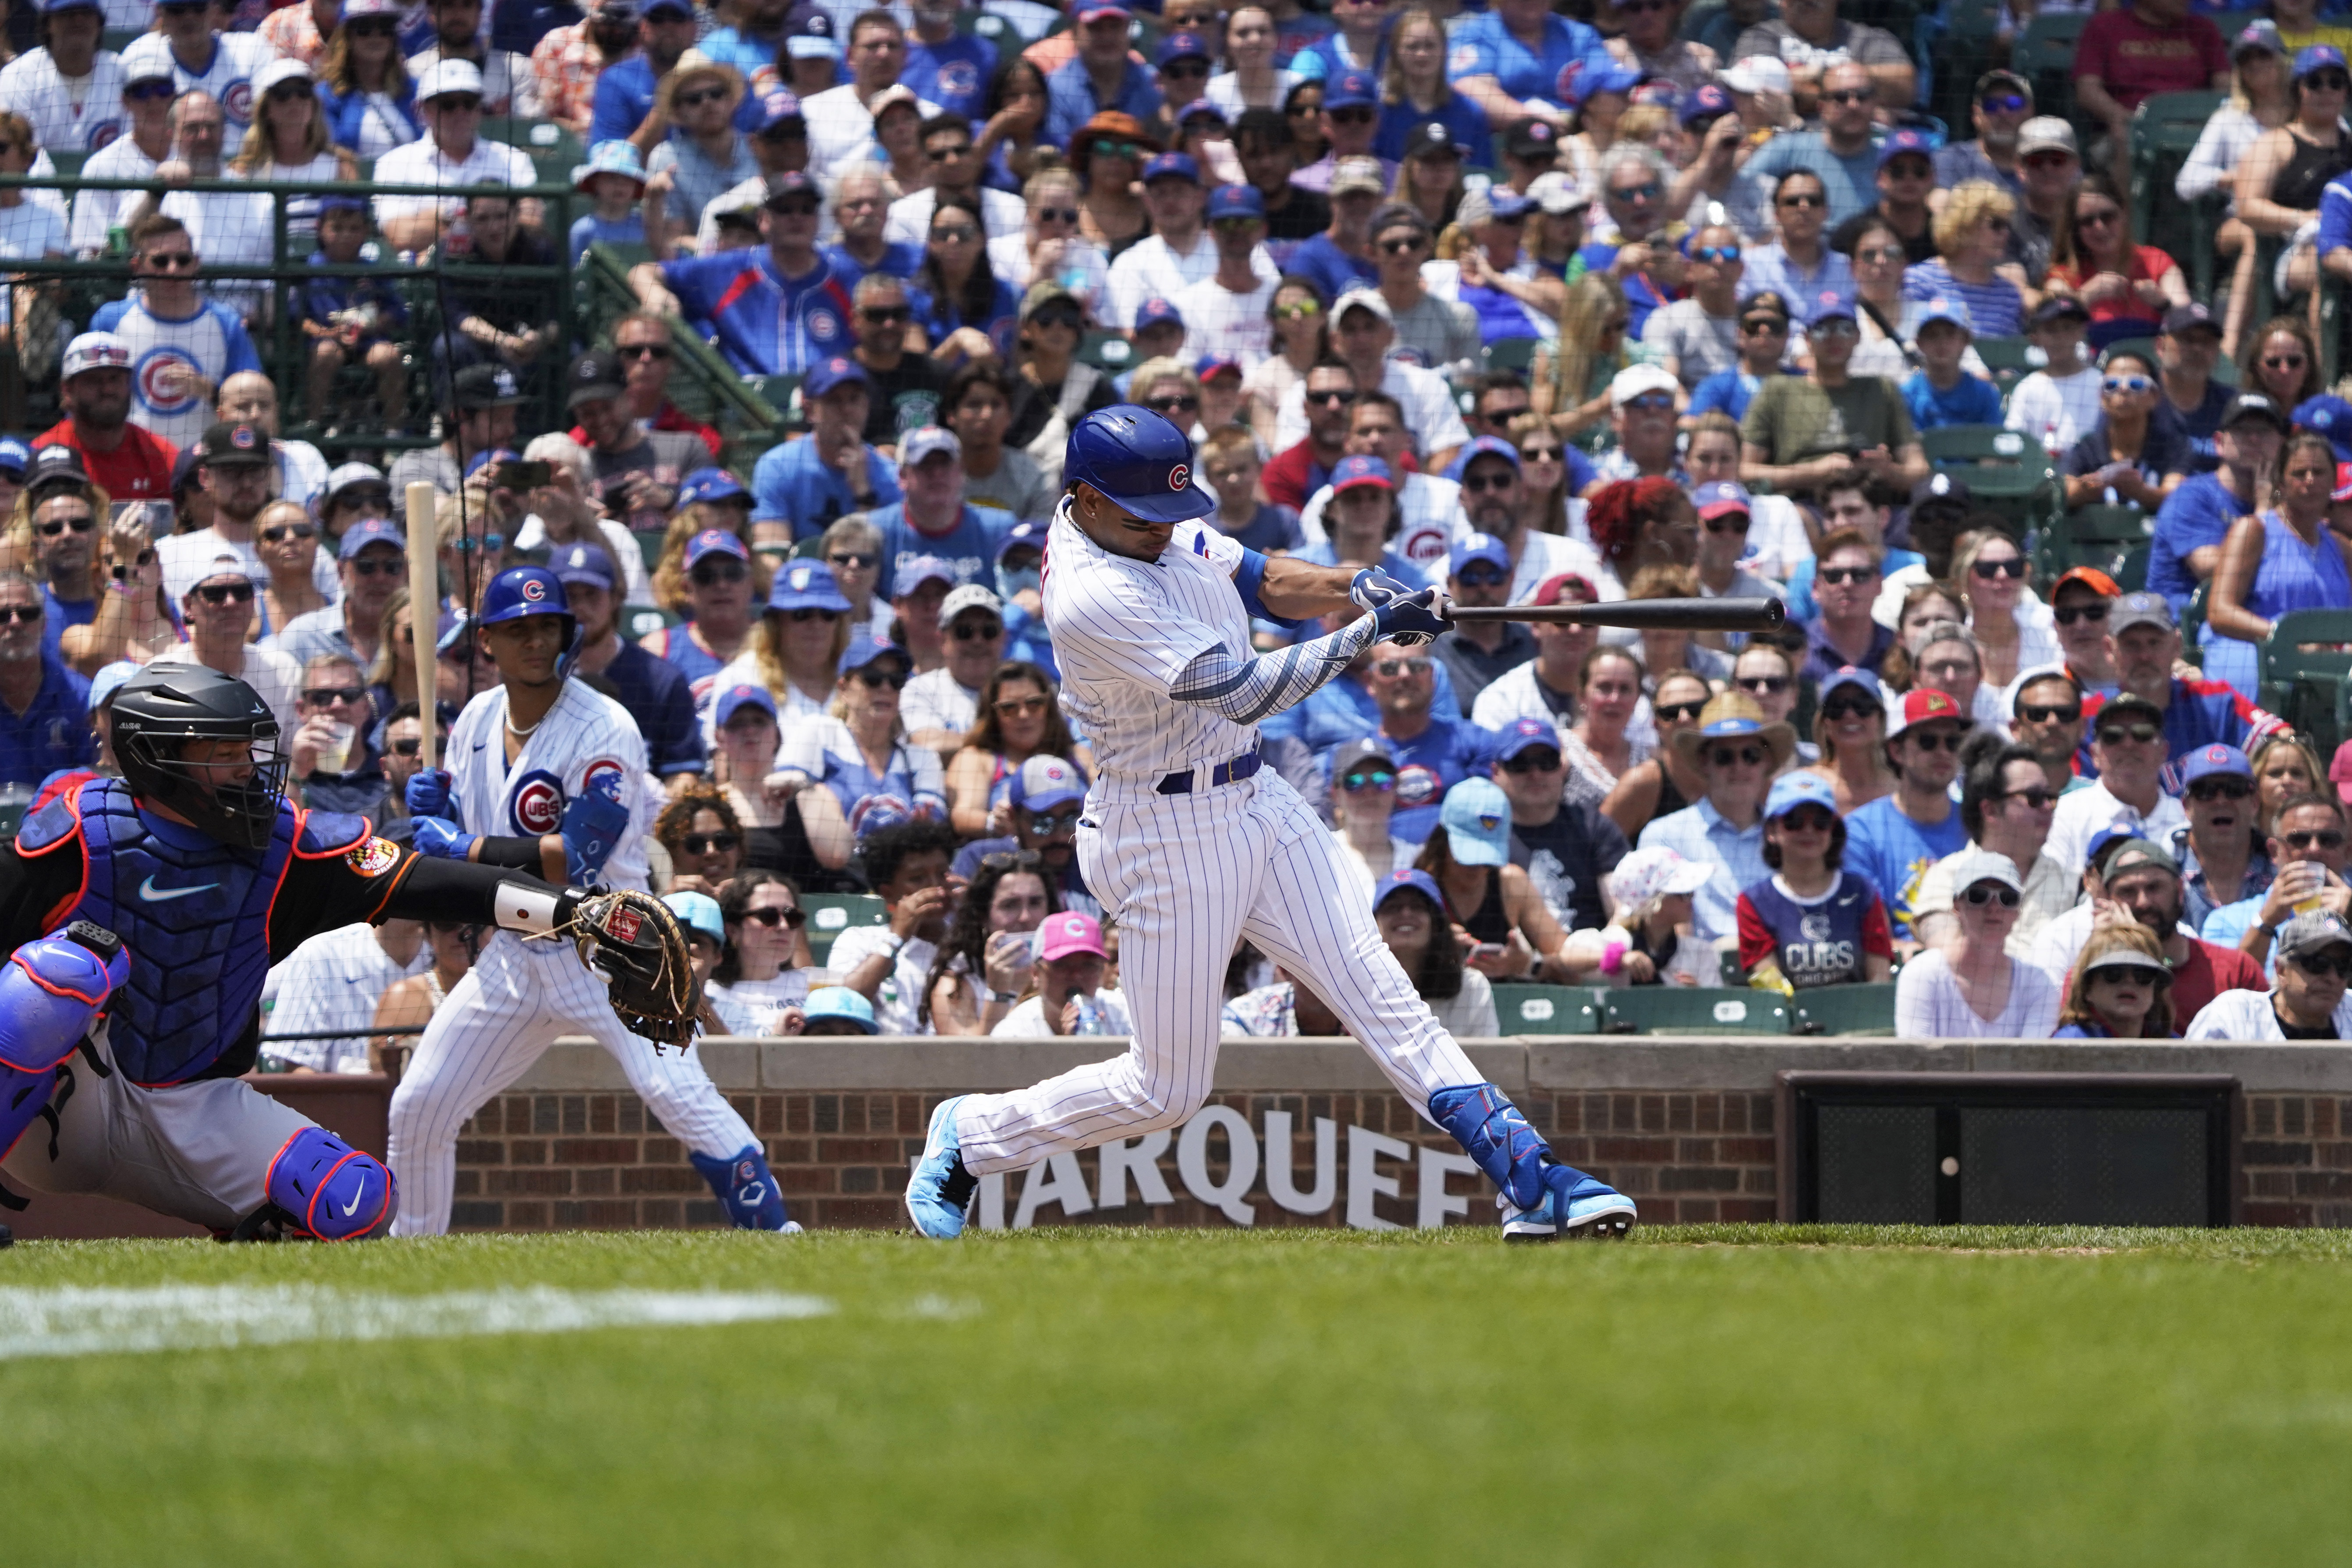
[1194, 846]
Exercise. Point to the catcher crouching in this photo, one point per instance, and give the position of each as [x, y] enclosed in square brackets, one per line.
[141, 914]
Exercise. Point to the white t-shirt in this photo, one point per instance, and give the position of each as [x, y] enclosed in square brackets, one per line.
[2248, 1015]
[934, 700]
[1231, 326]
[2056, 411]
[1027, 1019]
[760, 1003]
[333, 981]
[1428, 404]
[95, 212]
[839, 128]
[274, 677]
[68, 114]
[1928, 1003]
[2081, 814]
[1224, 90]
[422, 162]
[1153, 269]
[901, 992]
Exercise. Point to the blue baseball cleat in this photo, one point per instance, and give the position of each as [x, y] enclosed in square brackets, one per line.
[1580, 1207]
[940, 1189]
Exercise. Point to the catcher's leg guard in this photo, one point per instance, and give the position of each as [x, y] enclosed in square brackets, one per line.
[1492, 1131]
[329, 1189]
[746, 1188]
[50, 992]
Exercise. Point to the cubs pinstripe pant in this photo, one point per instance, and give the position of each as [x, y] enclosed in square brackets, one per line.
[516, 1000]
[1188, 877]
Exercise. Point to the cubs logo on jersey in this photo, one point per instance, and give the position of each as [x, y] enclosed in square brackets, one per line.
[603, 776]
[153, 387]
[236, 104]
[958, 78]
[1565, 83]
[536, 803]
[1417, 783]
[1464, 60]
[102, 132]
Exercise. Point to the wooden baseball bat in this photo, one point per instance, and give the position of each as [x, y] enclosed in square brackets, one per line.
[424, 611]
[1672, 615]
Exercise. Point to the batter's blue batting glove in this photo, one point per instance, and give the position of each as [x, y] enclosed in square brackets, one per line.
[1375, 590]
[1415, 619]
[441, 839]
[428, 792]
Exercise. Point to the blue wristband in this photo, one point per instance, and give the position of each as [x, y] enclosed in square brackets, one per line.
[1249, 577]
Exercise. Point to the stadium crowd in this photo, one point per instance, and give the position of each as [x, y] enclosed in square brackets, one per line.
[1546, 306]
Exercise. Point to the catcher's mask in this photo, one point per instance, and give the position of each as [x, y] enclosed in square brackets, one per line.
[165, 707]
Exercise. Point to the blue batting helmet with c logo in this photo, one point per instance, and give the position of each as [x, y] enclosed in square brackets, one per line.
[1139, 460]
[524, 591]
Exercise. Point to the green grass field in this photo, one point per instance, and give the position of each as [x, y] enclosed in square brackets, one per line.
[1712, 1395]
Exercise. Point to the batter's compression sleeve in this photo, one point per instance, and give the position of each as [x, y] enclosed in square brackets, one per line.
[1245, 689]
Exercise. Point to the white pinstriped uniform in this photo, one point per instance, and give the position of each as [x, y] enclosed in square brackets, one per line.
[522, 996]
[1188, 876]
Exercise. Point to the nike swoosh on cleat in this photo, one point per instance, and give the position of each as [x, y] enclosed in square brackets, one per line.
[156, 895]
[353, 1206]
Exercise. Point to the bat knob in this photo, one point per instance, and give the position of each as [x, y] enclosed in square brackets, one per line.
[1775, 614]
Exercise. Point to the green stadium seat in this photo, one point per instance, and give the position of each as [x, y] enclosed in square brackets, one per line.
[649, 548]
[809, 549]
[1107, 351]
[1512, 353]
[2010, 359]
[1546, 1010]
[1687, 1010]
[2164, 133]
[2131, 571]
[830, 914]
[2307, 674]
[2105, 537]
[2192, 625]
[554, 149]
[776, 391]
[2008, 471]
[1846, 1010]
[68, 164]
[2044, 56]
[644, 623]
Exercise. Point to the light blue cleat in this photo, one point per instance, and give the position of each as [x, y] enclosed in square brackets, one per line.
[1575, 1205]
[939, 1191]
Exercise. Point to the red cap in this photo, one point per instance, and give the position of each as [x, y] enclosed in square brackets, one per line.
[2091, 577]
[2339, 772]
[2343, 482]
[1552, 587]
[1925, 702]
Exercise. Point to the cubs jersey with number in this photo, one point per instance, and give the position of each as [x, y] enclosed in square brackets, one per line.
[212, 342]
[79, 114]
[1124, 629]
[766, 322]
[585, 735]
[228, 76]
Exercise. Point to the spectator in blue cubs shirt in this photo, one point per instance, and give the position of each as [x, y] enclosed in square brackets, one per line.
[1099, 76]
[718, 604]
[1811, 922]
[1893, 841]
[775, 312]
[946, 67]
[2197, 517]
[1940, 393]
[1046, 797]
[1020, 583]
[44, 705]
[931, 516]
[654, 690]
[2196, 712]
[626, 88]
[1521, 62]
[1434, 750]
[1160, 333]
[804, 485]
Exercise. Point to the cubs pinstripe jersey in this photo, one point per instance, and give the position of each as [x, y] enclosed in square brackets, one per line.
[228, 76]
[79, 114]
[584, 735]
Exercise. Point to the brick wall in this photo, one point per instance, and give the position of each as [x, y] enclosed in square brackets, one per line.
[2296, 1162]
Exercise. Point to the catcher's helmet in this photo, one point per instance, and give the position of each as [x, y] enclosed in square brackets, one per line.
[1138, 461]
[520, 591]
[163, 707]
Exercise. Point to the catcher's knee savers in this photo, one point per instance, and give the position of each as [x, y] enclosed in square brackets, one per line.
[332, 1191]
[51, 990]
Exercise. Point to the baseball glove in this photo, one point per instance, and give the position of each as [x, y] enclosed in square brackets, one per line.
[635, 943]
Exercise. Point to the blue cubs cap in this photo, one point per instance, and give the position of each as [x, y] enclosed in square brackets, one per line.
[1523, 734]
[1487, 446]
[1138, 460]
[1182, 47]
[2107, 840]
[1792, 790]
[828, 373]
[370, 531]
[343, 205]
[1861, 680]
[779, 108]
[2314, 58]
[737, 698]
[1616, 78]
[913, 571]
[1721, 498]
[2331, 416]
[1477, 817]
[700, 913]
[710, 484]
[1152, 313]
[1903, 141]
[864, 650]
[1029, 534]
[1421, 882]
[1358, 470]
[1171, 166]
[1946, 308]
[1709, 102]
[669, 7]
[1236, 201]
[809, 34]
[480, 460]
[1350, 89]
[1477, 547]
[2206, 761]
[583, 563]
[838, 1002]
[15, 457]
[1044, 782]
[1829, 305]
[1507, 204]
[1211, 364]
[716, 541]
[806, 585]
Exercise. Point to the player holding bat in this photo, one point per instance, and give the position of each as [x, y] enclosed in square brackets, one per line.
[1194, 846]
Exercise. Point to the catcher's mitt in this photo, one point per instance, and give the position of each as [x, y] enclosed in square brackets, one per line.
[634, 940]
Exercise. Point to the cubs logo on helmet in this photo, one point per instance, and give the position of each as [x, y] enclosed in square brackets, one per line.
[537, 805]
[1179, 477]
[534, 589]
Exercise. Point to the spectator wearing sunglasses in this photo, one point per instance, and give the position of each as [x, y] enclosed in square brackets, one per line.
[218, 610]
[1045, 797]
[2223, 853]
[1971, 988]
[1841, 153]
[2307, 1000]
[2196, 712]
[942, 704]
[1811, 922]
[1476, 653]
[1845, 585]
[2006, 806]
[371, 566]
[859, 751]
[2129, 457]
[2308, 846]
[1018, 719]
[44, 728]
[756, 975]
[334, 761]
[2139, 879]
[1804, 434]
[1565, 847]
[1895, 839]
[1362, 801]
[2128, 754]
[705, 840]
[1998, 108]
[2079, 602]
[1698, 336]
[288, 542]
[1735, 753]
[903, 389]
[399, 743]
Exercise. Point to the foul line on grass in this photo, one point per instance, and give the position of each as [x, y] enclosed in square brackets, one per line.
[75, 1320]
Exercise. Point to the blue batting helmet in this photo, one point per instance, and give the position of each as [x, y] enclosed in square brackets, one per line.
[520, 591]
[1137, 460]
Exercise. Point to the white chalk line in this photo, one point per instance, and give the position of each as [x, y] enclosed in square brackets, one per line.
[77, 1321]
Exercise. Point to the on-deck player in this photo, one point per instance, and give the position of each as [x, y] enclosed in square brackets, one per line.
[1194, 846]
[548, 758]
[201, 874]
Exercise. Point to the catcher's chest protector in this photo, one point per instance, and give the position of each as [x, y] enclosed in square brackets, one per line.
[195, 921]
